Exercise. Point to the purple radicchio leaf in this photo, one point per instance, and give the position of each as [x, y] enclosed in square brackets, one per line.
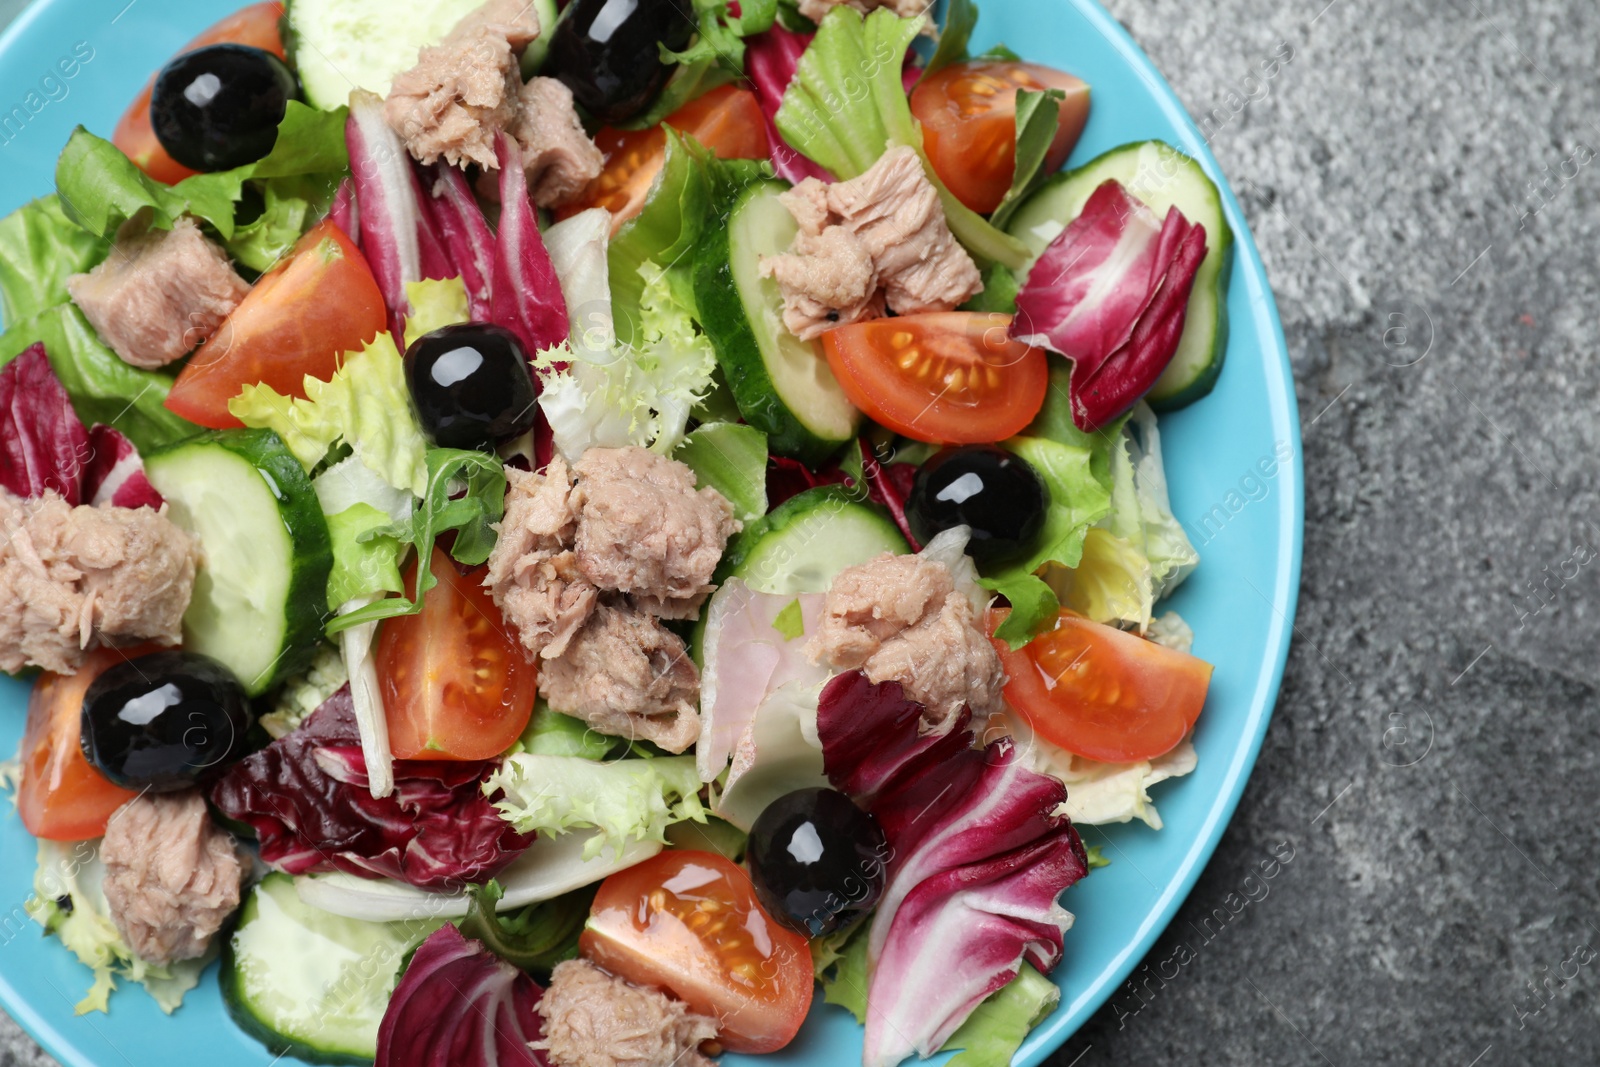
[1110, 293]
[980, 850]
[459, 1005]
[306, 797]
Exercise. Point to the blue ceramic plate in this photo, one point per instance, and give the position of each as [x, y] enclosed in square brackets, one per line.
[1246, 523]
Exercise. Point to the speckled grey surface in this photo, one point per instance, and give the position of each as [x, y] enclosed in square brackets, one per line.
[1418, 179]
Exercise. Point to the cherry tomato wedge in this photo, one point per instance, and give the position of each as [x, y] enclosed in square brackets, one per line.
[299, 319]
[952, 377]
[1102, 693]
[969, 129]
[726, 120]
[61, 797]
[688, 922]
[256, 26]
[455, 683]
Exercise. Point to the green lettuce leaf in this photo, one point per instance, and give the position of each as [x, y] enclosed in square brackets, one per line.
[305, 693]
[664, 232]
[102, 387]
[1111, 583]
[1038, 117]
[365, 561]
[1000, 289]
[40, 248]
[847, 105]
[100, 188]
[290, 207]
[366, 404]
[550, 733]
[1076, 473]
[70, 904]
[626, 800]
[1141, 513]
[996, 1028]
[480, 481]
[534, 938]
[636, 394]
[846, 984]
[732, 459]
[435, 303]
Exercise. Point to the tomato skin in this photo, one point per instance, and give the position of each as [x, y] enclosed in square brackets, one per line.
[727, 120]
[256, 26]
[299, 319]
[688, 922]
[455, 683]
[1102, 693]
[61, 796]
[951, 377]
[968, 116]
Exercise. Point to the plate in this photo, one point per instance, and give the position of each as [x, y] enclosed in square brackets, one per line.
[1245, 522]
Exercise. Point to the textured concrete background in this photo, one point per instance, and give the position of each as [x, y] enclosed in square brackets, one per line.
[1418, 179]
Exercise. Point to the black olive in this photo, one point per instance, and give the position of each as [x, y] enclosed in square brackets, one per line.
[816, 860]
[995, 492]
[165, 721]
[218, 107]
[607, 52]
[471, 384]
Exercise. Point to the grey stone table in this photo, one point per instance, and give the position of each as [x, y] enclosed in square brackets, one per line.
[1418, 178]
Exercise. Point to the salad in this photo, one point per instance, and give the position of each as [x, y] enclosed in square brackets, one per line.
[550, 537]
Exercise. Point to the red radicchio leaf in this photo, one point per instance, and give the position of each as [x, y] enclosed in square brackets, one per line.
[888, 484]
[465, 233]
[390, 216]
[980, 851]
[306, 797]
[527, 297]
[343, 211]
[1110, 293]
[770, 59]
[115, 473]
[789, 477]
[43, 444]
[459, 1005]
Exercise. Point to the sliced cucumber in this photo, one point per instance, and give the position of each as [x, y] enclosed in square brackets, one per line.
[261, 592]
[809, 538]
[782, 384]
[310, 984]
[1162, 177]
[340, 45]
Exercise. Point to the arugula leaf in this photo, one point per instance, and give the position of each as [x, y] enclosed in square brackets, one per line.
[722, 34]
[469, 515]
[535, 937]
[40, 248]
[1038, 118]
[847, 104]
[689, 82]
[960, 19]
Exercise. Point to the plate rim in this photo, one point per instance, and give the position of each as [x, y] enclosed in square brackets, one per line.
[1283, 408]
[1046, 1039]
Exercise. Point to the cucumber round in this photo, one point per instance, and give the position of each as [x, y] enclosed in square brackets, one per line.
[340, 45]
[1162, 177]
[804, 542]
[261, 593]
[310, 984]
[783, 385]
